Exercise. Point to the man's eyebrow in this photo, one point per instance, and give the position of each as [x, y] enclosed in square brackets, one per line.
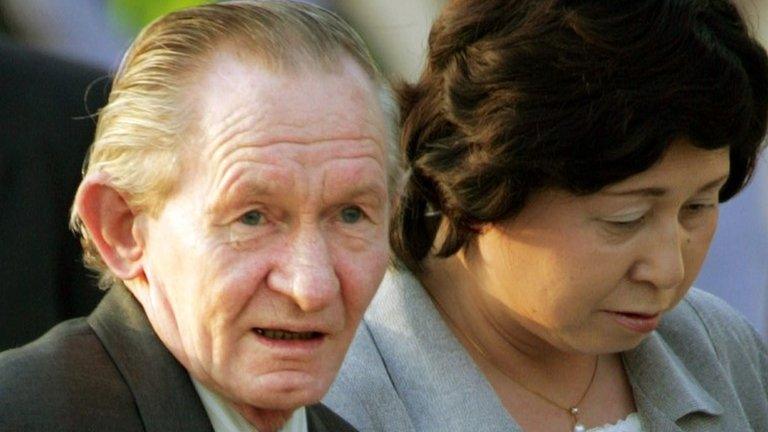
[658, 192]
[243, 187]
[370, 189]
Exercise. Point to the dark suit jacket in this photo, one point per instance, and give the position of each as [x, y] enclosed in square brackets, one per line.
[109, 372]
[44, 135]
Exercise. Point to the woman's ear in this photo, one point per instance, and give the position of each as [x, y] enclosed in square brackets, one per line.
[482, 228]
[111, 224]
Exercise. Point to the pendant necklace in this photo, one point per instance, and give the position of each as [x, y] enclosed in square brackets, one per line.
[572, 410]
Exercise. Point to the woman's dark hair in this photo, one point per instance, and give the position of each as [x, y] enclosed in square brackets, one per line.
[521, 95]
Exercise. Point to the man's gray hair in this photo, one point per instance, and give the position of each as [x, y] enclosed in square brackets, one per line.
[141, 129]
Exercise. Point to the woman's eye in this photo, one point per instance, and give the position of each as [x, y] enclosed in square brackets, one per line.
[251, 218]
[626, 224]
[351, 215]
[699, 207]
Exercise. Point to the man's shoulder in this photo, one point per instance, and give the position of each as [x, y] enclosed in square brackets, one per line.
[63, 381]
[50, 356]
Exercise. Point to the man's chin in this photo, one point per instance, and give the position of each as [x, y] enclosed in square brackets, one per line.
[285, 391]
[286, 401]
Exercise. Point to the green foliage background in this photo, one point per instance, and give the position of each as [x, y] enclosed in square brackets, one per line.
[135, 14]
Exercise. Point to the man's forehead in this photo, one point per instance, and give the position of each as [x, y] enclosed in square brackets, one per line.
[239, 76]
[239, 98]
[277, 171]
[249, 113]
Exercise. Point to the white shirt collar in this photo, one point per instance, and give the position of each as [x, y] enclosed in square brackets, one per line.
[224, 418]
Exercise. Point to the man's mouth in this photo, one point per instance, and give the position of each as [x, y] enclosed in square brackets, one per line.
[287, 335]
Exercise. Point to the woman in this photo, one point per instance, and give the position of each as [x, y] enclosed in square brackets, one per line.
[566, 162]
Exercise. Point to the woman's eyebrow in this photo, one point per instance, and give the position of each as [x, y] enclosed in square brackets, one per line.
[715, 184]
[658, 191]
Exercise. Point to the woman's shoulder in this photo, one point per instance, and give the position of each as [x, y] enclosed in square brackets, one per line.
[405, 371]
[705, 318]
[707, 352]
[363, 392]
[711, 337]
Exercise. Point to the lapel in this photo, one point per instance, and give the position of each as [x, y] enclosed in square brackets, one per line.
[322, 419]
[664, 389]
[164, 394]
[437, 383]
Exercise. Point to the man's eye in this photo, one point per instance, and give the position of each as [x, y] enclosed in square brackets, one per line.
[351, 215]
[252, 218]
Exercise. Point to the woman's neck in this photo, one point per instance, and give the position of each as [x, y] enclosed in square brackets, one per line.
[536, 380]
[498, 339]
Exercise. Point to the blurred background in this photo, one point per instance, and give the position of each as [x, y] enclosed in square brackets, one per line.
[94, 33]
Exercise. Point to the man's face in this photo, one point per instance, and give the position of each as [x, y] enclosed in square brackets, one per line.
[274, 241]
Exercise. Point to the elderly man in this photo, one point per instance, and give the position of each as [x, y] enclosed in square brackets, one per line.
[236, 203]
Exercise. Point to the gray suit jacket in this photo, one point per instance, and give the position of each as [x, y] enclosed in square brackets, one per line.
[108, 373]
[704, 369]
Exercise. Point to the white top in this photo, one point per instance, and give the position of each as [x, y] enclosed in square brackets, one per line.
[629, 424]
[224, 418]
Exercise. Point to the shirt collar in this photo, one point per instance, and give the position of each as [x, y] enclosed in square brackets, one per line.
[664, 389]
[225, 418]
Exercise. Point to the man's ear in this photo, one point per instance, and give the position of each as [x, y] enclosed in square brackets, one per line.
[111, 225]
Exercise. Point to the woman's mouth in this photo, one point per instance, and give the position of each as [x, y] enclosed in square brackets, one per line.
[637, 322]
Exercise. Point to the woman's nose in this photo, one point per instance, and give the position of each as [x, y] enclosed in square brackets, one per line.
[662, 262]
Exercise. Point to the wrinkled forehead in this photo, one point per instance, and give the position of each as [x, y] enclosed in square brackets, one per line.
[241, 106]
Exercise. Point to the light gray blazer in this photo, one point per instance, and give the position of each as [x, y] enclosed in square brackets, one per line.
[704, 369]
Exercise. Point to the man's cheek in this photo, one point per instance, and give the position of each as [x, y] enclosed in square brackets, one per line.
[361, 287]
[236, 281]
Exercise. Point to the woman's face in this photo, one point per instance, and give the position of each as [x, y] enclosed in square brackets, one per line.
[594, 274]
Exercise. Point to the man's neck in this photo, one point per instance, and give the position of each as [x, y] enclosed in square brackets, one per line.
[227, 416]
[264, 420]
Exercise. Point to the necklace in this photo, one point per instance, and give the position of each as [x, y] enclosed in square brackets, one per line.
[572, 410]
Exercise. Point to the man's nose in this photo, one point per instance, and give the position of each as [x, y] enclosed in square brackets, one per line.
[307, 274]
[662, 263]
